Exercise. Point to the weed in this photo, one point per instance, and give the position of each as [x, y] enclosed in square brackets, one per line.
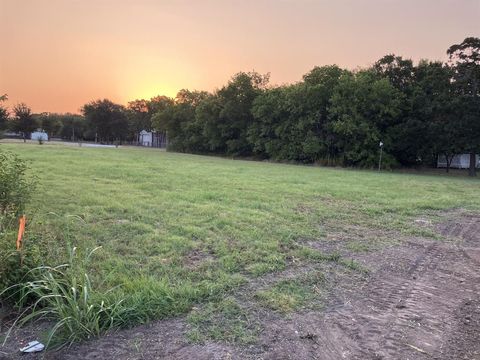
[292, 294]
[64, 295]
[225, 320]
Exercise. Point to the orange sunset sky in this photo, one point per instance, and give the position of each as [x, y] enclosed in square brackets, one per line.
[56, 55]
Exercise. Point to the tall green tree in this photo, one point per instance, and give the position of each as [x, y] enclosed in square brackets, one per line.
[178, 120]
[50, 123]
[400, 73]
[106, 120]
[139, 118]
[3, 113]
[23, 121]
[235, 117]
[435, 110]
[273, 133]
[292, 122]
[363, 107]
[74, 127]
[207, 114]
[465, 59]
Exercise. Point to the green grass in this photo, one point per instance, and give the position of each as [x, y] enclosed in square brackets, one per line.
[293, 294]
[224, 320]
[179, 230]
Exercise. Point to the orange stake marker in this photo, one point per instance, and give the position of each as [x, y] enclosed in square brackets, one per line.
[21, 231]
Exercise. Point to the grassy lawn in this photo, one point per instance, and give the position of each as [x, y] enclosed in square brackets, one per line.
[181, 230]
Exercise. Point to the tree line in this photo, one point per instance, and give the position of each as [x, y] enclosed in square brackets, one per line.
[333, 116]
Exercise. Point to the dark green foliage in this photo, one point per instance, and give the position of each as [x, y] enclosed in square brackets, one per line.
[218, 123]
[50, 123]
[235, 117]
[140, 114]
[23, 121]
[106, 120]
[331, 117]
[177, 118]
[15, 188]
[74, 127]
[465, 58]
[292, 123]
[363, 107]
[338, 117]
[3, 114]
[15, 266]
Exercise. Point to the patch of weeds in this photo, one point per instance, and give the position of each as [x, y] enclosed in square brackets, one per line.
[260, 268]
[354, 265]
[225, 321]
[358, 247]
[64, 295]
[292, 294]
[315, 255]
[307, 253]
[136, 345]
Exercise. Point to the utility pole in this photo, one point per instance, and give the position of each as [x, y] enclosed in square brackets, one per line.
[380, 158]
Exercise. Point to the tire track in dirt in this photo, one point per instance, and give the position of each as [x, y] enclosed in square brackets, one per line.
[401, 315]
[410, 314]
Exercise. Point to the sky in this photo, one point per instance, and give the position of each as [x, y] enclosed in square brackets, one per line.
[56, 55]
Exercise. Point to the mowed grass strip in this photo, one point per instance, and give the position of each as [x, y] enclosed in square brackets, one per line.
[177, 229]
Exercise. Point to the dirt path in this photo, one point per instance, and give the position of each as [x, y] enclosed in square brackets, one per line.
[421, 301]
[416, 314]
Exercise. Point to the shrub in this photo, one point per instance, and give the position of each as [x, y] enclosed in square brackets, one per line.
[15, 189]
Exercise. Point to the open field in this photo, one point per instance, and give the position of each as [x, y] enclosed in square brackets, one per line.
[262, 260]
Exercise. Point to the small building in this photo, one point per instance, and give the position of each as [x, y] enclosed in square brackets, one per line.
[460, 161]
[39, 135]
[156, 139]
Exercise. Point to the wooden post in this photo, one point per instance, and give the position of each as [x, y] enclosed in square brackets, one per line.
[473, 159]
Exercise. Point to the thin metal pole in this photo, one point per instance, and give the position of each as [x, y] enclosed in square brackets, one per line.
[380, 160]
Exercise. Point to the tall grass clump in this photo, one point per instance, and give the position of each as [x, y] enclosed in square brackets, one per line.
[64, 295]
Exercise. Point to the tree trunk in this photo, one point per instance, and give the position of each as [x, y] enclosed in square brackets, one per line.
[472, 171]
[449, 161]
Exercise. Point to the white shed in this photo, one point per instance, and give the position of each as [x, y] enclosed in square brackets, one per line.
[145, 138]
[460, 161]
[39, 135]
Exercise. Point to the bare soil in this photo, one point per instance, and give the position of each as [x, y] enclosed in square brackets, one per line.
[420, 300]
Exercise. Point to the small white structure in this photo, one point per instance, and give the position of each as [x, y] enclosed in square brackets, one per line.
[39, 135]
[157, 139]
[145, 138]
[460, 161]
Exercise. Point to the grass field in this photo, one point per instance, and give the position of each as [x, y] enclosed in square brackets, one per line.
[181, 230]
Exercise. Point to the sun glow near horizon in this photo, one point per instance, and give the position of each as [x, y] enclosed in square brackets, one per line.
[58, 55]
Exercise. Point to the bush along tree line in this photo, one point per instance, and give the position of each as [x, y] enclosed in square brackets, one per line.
[332, 116]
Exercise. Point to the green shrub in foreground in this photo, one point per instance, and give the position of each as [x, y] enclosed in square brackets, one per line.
[15, 188]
